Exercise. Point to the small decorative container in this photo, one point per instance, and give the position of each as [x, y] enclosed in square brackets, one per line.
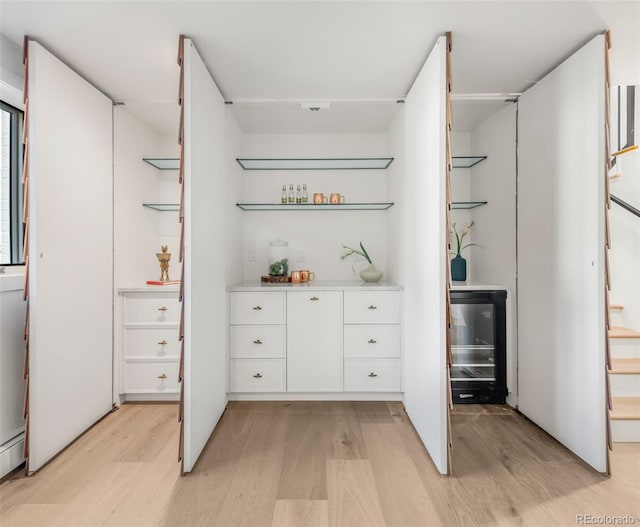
[278, 258]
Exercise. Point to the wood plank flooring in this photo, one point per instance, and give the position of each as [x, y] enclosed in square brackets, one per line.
[319, 464]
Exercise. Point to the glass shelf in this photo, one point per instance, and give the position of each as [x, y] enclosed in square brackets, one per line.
[316, 164]
[163, 163]
[466, 204]
[314, 206]
[163, 207]
[466, 161]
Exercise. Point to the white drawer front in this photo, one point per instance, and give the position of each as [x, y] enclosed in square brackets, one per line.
[258, 308]
[365, 307]
[156, 309]
[372, 375]
[258, 342]
[372, 341]
[151, 342]
[258, 375]
[147, 377]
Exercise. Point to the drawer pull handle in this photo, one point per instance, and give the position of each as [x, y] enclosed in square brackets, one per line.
[162, 343]
[371, 341]
[373, 374]
[163, 308]
[163, 376]
[314, 298]
[257, 376]
[257, 308]
[257, 341]
[373, 307]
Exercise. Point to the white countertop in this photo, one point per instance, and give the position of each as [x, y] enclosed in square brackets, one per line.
[149, 288]
[470, 286]
[316, 285]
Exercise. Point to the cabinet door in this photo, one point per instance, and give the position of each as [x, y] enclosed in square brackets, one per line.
[314, 341]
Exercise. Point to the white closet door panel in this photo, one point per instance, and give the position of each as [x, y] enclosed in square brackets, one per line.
[561, 372]
[204, 276]
[425, 378]
[70, 266]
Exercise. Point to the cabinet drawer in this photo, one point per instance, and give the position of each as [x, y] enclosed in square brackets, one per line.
[258, 375]
[151, 342]
[259, 342]
[372, 375]
[156, 309]
[147, 377]
[258, 308]
[372, 341]
[371, 307]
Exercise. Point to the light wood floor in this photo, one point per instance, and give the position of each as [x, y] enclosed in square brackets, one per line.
[319, 464]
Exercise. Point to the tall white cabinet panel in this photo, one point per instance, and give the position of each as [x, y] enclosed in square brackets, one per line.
[314, 341]
[205, 298]
[70, 204]
[561, 233]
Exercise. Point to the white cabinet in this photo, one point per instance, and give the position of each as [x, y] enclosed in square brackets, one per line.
[372, 341]
[310, 342]
[257, 339]
[150, 347]
[314, 341]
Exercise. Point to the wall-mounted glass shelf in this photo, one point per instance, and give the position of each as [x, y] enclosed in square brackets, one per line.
[163, 163]
[163, 207]
[466, 161]
[314, 206]
[467, 204]
[316, 164]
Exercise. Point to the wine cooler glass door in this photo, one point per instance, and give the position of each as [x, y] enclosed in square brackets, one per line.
[473, 352]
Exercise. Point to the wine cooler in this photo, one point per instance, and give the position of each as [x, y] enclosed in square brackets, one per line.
[478, 346]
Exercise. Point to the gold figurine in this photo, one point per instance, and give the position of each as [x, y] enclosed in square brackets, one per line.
[164, 258]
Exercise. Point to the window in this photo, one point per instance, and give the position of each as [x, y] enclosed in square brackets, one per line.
[11, 228]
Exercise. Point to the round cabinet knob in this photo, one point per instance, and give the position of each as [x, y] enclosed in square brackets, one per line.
[163, 376]
[163, 308]
[371, 341]
[257, 341]
[257, 376]
[372, 307]
[373, 374]
[257, 308]
[314, 298]
[162, 343]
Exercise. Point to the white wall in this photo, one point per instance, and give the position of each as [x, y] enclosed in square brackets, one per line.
[494, 180]
[461, 191]
[320, 234]
[396, 221]
[234, 194]
[12, 316]
[561, 335]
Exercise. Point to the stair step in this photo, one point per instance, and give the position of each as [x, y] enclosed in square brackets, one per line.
[618, 332]
[625, 408]
[625, 366]
[616, 307]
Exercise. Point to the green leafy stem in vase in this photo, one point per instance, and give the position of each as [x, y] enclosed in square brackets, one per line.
[349, 251]
[460, 238]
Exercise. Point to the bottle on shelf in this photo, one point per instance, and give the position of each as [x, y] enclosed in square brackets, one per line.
[305, 195]
[298, 195]
[283, 196]
[291, 198]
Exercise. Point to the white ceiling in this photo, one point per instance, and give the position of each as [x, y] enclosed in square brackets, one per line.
[325, 50]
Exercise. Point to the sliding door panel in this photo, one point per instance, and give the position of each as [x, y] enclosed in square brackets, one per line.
[425, 368]
[70, 255]
[561, 338]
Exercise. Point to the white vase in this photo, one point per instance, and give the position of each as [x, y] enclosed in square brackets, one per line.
[370, 274]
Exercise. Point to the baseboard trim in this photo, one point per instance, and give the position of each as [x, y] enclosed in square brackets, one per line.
[11, 455]
[317, 396]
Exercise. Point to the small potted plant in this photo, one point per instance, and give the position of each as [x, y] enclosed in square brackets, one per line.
[458, 263]
[370, 274]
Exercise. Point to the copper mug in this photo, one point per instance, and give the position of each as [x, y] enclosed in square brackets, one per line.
[307, 276]
[336, 198]
[319, 198]
[296, 277]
